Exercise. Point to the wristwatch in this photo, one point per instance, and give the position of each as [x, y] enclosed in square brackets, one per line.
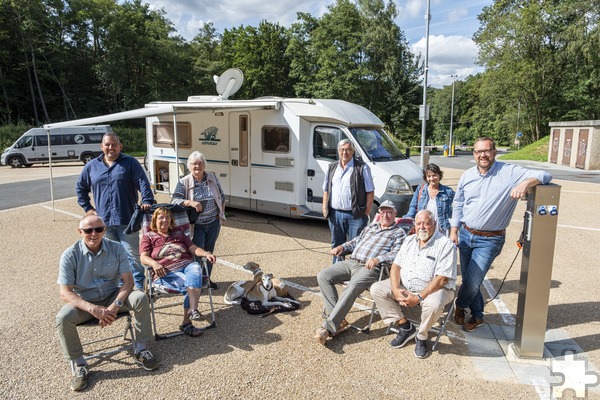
[119, 303]
[420, 298]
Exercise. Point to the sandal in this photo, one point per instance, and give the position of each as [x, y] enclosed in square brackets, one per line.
[190, 330]
[195, 315]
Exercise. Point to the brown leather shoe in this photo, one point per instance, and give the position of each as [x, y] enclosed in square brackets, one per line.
[459, 315]
[472, 324]
[344, 326]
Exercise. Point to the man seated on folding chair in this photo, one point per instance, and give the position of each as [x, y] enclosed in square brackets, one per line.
[378, 243]
[169, 254]
[89, 275]
[424, 272]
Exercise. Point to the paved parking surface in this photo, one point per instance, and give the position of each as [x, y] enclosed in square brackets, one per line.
[249, 357]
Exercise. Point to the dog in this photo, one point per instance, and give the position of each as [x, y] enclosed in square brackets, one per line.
[263, 287]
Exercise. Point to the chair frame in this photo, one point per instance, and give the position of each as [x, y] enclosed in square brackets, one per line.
[154, 294]
[114, 349]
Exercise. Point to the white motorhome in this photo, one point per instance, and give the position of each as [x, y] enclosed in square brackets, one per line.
[74, 143]
[270, 154]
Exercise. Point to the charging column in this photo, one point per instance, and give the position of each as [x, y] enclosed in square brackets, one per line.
[539, 233]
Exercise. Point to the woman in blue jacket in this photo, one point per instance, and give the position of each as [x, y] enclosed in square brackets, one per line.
[433, 196]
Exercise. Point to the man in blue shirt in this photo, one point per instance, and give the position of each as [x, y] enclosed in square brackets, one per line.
[114, 180]
[89, 275]
[348, 192]
[484, 203]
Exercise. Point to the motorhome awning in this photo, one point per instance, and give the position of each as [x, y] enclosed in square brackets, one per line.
[157, 109]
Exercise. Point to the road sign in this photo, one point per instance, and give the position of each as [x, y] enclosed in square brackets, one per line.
[519, 134]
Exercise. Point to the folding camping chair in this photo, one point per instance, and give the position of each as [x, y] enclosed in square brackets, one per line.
[156, 291]
[110, 349]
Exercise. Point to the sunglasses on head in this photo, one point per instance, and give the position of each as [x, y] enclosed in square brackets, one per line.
[98, 229]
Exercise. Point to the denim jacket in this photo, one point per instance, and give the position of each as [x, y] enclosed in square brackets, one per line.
[444, 204]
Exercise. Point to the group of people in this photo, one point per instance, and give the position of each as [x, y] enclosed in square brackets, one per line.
[99, 274]
[98, 277]
[424, 265]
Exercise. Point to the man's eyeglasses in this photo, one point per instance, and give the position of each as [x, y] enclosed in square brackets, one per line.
[98, 229]
[487, 152]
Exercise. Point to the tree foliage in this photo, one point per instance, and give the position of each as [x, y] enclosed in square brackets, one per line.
[66, 59]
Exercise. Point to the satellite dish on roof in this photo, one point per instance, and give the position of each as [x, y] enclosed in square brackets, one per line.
[229, 82]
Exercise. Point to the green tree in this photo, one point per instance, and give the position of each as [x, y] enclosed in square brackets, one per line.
[261, 54]
[141, 62]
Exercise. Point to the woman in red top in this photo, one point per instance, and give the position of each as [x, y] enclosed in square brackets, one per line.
[169, 254]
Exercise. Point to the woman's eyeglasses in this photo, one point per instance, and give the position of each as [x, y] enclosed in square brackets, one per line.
[98, 229]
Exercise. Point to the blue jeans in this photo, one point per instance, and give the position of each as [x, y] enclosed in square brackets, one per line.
[131, 243]
[344, 227]
[188, 277]
[205, 237]
[477, 253]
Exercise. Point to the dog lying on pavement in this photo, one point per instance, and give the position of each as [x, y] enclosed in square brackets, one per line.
[266, 289]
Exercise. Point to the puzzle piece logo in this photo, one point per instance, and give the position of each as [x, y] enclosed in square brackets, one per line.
[575, 377]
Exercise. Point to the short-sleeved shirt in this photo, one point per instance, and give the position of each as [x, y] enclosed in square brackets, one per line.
[94, 277]
[170, 251]
[418, 266]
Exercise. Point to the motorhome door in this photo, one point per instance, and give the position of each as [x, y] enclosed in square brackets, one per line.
[239, 158]
[323, 152]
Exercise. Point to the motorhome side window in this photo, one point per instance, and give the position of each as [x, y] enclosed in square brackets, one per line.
[163, 134]
[276, 139]
[325, 140]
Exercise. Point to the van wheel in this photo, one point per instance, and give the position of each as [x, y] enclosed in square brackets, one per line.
[15, 162]
[86, 158]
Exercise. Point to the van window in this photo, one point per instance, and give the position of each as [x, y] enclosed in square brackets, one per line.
[325, 140]
[163, 134]
[24, 142]
[82, 138]
[42, 140]
[276, 139]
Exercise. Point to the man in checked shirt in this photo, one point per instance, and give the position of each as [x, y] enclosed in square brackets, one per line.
[484, 203]
[377, 243]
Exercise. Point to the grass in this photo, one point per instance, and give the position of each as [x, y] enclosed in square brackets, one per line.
[536, 151]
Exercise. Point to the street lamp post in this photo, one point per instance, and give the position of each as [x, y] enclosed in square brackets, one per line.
[450, 148]
[424, 114]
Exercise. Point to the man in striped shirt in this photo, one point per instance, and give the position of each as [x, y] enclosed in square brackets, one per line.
[484, 203]
[378, 243]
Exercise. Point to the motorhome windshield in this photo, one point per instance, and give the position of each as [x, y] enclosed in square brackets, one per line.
[377, 144]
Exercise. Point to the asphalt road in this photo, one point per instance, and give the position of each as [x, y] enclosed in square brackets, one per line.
[17, 194]
[464, 160]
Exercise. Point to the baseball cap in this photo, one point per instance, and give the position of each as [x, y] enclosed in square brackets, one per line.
[387, 204]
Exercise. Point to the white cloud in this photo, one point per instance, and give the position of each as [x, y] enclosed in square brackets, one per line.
[188, 16]
[450, 50]
[448, 55]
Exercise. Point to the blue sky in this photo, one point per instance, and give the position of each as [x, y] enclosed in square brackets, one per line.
[452, 25]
